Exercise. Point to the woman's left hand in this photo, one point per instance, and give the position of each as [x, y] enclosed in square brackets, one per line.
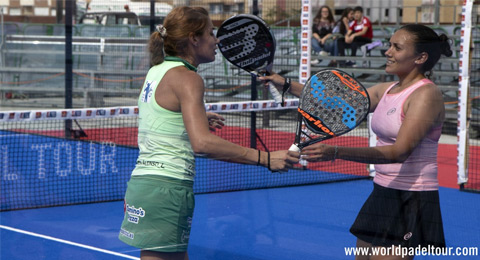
[215, 121]
[318, 152]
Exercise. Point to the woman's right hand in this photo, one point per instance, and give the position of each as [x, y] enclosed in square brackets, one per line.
[283, 160]
[276, 79]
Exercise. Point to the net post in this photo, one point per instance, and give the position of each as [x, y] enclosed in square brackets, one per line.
[265, 114]
[254, 94]
[464, 85]
[69, 6]
[253, 114]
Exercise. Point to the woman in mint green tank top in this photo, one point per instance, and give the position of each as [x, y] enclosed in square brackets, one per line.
[403, 210]
[173, 126]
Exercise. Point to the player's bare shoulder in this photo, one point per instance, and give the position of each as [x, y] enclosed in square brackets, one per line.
[380, 88]
[429, 91]
[377, 91]
[181, 77]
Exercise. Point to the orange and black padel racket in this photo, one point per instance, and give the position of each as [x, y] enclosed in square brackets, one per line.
[332, 103]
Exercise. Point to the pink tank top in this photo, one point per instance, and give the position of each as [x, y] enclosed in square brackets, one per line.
[419, 171]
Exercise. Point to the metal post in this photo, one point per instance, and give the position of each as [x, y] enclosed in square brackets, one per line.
[253, 95]
[253, 115]
[68, 62]
[255, 7]
[152, 16]
[419, 11]
[3, 36]
[437, 12]
[399, 10]
[59, 10]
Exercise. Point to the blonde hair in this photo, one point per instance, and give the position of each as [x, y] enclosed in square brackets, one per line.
[177, 27]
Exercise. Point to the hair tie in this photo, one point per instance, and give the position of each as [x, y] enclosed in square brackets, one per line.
[162, 30]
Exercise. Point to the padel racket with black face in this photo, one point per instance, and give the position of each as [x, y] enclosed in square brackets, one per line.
[331, 104]
[246, 41]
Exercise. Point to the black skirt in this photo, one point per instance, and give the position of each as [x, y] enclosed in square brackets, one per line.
[401, 218]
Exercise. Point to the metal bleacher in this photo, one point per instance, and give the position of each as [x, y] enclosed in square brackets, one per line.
[33, 62]
[110, 62]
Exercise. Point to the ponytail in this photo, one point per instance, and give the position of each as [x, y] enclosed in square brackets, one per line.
[155, 47]
[445, 45]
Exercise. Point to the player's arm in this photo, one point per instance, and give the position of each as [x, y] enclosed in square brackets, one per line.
[190, 94]
[376, 93]
[279, 82]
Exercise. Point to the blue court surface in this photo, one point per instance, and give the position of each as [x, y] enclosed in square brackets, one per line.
[301, 222]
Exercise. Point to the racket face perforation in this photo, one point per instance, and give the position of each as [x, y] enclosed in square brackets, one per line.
[332, 103]
[246, 42]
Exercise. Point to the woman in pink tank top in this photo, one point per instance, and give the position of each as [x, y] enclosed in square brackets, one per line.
[403, 209]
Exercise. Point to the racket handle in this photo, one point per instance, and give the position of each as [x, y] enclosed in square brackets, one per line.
[275, 93]
[294, 148]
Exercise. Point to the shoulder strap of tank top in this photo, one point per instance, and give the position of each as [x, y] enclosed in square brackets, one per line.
[186, 63]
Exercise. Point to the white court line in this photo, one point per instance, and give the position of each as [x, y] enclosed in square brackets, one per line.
[69, 242]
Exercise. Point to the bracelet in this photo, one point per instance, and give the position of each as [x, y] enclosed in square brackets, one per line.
[335, 154]
[258, 162]
[268, 164]
[286, 87]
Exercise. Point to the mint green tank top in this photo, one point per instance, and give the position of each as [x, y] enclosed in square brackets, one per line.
[165, 148]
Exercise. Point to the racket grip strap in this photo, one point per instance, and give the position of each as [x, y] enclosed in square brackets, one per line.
[275, 93]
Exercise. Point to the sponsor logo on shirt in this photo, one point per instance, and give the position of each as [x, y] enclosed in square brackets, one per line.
[391, 111]
[407, 236]
[148, 91]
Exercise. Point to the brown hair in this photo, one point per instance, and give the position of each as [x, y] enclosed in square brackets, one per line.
[178, 25]
[343, 29]
[330, 18]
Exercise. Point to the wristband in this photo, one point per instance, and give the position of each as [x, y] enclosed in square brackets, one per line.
[286, 85]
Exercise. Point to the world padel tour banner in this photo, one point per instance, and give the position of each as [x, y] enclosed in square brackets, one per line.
[44, 171]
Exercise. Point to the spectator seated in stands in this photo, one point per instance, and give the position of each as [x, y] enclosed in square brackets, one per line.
[323, 41]
[341, 27]
[359, 33]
